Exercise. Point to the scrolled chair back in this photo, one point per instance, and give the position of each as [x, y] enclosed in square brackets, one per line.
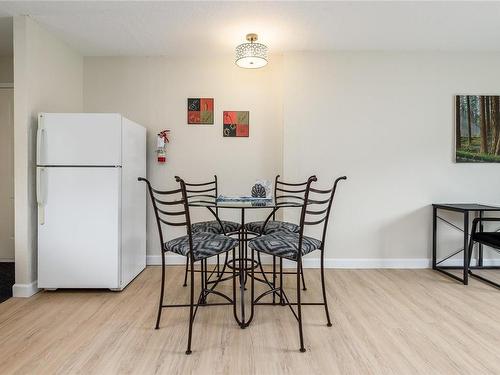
[171, 209]
[317, 207]
[289, 193]
[204, 192]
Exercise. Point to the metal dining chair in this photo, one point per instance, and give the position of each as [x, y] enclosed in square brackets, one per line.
[283, 192]
[208, 191]
[171, 209]
[293, 246]
[490, 239]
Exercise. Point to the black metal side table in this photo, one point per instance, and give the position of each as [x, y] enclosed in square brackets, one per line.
[477, 210]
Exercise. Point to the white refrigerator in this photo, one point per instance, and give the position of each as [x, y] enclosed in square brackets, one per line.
[91, 208]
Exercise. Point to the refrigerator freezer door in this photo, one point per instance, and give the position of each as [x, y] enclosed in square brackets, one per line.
[79, 139]
[79, 235]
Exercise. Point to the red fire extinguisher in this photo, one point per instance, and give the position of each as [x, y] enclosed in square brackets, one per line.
[161, 155]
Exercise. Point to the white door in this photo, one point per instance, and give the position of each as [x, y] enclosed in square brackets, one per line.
[78, 227]
[79, 139]
[6, 175]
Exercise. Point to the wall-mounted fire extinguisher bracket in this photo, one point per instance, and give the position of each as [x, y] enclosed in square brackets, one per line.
[161, 154]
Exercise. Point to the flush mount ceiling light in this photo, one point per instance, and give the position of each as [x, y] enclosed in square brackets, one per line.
[251, 55]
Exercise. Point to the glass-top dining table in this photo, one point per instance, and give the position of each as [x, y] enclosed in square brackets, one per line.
[242, 265]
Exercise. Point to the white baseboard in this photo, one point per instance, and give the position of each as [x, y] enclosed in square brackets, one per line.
[348, 263]
[25, 290]
[458, 262]
[367, 263]
[354, 263]
[6, 260]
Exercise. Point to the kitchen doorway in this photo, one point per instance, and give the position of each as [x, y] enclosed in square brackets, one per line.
[6, 192]
[6, 160]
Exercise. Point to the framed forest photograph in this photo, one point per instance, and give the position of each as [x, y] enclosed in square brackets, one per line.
[477, 134]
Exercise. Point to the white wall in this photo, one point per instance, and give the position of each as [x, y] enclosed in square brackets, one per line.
[48, 77]
[386, 120]
[383, 119]
[154, 92]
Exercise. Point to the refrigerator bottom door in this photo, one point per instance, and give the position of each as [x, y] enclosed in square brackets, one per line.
[79, 228]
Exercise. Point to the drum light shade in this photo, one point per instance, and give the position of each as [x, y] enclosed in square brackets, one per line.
[251, 55]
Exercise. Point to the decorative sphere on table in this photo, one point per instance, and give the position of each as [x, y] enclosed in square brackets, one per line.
[258, 191]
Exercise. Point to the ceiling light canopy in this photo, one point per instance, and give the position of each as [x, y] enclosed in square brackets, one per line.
[251, 55]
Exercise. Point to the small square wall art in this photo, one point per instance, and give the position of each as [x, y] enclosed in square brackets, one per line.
[200, 111]
[236, 123]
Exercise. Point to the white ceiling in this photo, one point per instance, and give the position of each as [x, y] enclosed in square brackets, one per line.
[5, 36]
[208, 28]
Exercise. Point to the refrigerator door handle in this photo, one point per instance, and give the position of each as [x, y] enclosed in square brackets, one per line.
[39, 142]
[40, 195]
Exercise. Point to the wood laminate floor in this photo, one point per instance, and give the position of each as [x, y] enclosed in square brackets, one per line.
[384, 322]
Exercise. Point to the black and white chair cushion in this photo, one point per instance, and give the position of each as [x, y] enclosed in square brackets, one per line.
[284, 244]
[272, 226]
[205, 245]
[214, 227]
